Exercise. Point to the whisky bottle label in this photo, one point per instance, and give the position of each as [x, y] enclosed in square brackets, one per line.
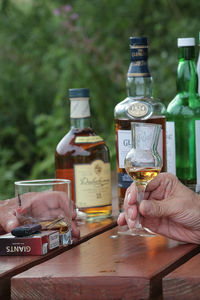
[125, 143]
[144, 136]
[92, 184]
[139, 110]
[139, 64]
[171, 149]
[79, 108]
[139, 69]
[124, 180]
[88, 139]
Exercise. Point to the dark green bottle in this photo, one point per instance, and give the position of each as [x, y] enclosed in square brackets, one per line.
[183, 119]
[198, 67]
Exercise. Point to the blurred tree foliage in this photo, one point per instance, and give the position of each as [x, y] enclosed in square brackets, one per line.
[47, 47]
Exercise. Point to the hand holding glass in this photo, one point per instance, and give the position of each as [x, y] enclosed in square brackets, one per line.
[47, 202]
[143, 163]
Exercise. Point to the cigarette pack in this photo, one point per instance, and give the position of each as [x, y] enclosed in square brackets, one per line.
[36, 244]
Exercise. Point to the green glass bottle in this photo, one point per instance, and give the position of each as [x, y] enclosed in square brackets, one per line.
[198, 68]
[183, 119]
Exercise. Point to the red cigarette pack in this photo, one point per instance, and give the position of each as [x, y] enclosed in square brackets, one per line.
[36, 244]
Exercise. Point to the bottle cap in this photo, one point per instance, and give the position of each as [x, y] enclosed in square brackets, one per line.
[79, 93]
[138, 41]
[185, 42]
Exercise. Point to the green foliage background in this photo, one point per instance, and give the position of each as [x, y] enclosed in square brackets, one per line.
[47, 47]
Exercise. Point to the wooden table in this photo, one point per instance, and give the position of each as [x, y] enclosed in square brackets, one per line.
[105, 267]
[12, 265]
[184, 282]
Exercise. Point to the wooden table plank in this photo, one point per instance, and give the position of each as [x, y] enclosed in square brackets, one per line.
[125, 267]
[184, 282]
[12, 265]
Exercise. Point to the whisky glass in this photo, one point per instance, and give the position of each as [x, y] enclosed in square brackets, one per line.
[143, 163]
[47, 202]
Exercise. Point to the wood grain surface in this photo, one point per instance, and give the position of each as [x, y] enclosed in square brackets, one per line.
[184, 282]
[12, 265]
[105, 267]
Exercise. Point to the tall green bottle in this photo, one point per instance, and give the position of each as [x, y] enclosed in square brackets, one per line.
[198, 67]
[183, 120]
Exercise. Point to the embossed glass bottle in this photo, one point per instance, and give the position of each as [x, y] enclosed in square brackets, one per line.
[83, 157]
[183, 119]
[140, 105]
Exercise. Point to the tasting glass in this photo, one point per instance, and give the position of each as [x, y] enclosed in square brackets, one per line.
[142, 163]
[48, 202]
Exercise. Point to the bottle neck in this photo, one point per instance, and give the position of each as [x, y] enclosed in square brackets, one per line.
[80, 113]
[139, 82]
[187, 80]
[80, 123]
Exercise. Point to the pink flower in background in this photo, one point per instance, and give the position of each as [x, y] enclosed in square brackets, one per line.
[67, 7]
[74, 16]
[56, 12]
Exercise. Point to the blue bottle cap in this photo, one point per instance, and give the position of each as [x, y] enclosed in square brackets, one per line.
[76, 93]
[138, 41]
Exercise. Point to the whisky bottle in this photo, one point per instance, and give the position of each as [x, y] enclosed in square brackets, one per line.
[83, 157]
[139, 106]
[183, 119]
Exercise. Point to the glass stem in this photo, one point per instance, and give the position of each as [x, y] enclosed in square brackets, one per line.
[140, 196]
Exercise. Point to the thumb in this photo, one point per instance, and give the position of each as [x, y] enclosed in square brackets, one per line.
[153, 208]
[9, 223]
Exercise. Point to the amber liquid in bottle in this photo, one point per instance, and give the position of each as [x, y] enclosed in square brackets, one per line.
[83, 157]
[139, 106]
[69, 153]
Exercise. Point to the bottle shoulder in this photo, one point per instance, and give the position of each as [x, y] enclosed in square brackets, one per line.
[154, 106]
[79, 142]
[184, 105]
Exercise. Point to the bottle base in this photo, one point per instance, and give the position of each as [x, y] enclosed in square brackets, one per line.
[145, 232]
[97, 218]
[97, 213]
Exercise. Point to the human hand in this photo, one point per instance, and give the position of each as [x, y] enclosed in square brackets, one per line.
[169, 208]
[48, 205]
[8, 219]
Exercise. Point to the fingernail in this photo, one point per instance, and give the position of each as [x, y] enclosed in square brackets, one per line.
[145, 207]
[131, 223]
[119, 218]
[10, 225]
[130, 212]
[129, 197]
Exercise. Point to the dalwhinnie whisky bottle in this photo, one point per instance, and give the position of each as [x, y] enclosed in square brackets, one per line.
[139, 106]
[83, 157]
